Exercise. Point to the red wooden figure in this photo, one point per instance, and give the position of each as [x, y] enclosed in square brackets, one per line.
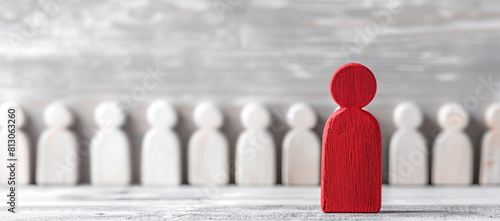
[351, 174]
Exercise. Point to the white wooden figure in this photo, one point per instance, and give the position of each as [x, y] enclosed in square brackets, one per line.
[22, 146]
[161, 150]
[301, 148]
[57, 153]
[255, 148]
[208, 149]
[452, 152]
[407, 151]
[490, 150]
[110, 152]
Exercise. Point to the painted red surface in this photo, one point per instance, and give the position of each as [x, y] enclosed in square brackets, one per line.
[351, 174]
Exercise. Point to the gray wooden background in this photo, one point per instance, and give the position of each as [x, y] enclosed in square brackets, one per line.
[234, 52]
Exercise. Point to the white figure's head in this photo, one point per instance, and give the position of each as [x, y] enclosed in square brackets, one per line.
[453, 117]
[20, 117]
[302, 116]
[161, 114]
[408, 115]
[208, 116]
[493, 116]
[109, 115]
[57, 115]
[255, 116]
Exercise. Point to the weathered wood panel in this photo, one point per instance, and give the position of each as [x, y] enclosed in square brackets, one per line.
[276, 52]
[237, 203]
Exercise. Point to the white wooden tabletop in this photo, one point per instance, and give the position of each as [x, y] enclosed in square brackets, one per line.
[231, 202]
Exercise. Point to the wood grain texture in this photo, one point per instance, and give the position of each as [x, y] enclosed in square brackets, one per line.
[255, 160]
[231, 202]
[490, 148]
[408, 164]
[301, 148]
[351, 177]
[208, 151]
[452, 158]
[161, 148]
[274, 52]
[57, 149]
[110, 154]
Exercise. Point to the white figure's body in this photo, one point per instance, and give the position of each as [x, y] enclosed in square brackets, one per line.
[407, 150]
[452, 158]
[255, 148]
[208, 150]
[58, 158]
[301, 148]
[490, 149]
[161, 157]
[110, 157]
[22, 146]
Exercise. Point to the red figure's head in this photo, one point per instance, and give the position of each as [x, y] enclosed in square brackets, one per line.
[353, 86]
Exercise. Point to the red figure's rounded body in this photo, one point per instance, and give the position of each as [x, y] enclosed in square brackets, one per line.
[351, 176]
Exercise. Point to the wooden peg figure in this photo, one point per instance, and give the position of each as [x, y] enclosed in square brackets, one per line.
[301, 148]
[161, 154]
[351, 175]
[407, 150]
[255, 148]
[22, 152]
[110, 157]
[208, 150]
[58, 157]
[452, 153]
[490, 148]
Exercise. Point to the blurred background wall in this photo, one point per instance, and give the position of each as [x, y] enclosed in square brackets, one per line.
[233, 52]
